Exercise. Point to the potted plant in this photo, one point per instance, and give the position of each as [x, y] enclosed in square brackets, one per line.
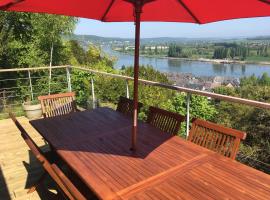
[32, 109]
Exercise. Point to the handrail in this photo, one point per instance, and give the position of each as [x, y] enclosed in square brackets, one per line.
[239, 100]
[32, 68]
[253, 103]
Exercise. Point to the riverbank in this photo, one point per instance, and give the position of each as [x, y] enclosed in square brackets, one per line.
[214, 61]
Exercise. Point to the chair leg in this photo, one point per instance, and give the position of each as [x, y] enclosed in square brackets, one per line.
[38, 182]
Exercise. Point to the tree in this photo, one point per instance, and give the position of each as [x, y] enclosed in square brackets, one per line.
[255, 150]
[50, 28]
[26, 39]
[76, 53]
[175, 50]
[264, 80]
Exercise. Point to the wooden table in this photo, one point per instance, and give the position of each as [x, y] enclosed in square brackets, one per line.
[95, 144]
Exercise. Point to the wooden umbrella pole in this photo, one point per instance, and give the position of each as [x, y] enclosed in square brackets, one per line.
[138, 10]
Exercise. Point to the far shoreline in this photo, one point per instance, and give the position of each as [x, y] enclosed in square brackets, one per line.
[214, 61]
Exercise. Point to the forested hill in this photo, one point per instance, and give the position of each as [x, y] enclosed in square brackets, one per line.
[157, 40]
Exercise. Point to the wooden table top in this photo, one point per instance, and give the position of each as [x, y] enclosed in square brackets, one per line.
[95, 144]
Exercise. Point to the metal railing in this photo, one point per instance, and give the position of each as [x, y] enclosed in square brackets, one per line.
[25, 83]
[188, 91]
[7, 93]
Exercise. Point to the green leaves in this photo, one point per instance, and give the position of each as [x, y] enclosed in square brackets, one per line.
[26, 39]
[252, 120]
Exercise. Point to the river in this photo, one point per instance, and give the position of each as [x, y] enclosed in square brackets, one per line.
[197, 68]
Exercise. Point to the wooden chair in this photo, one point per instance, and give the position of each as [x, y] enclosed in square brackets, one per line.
[166, 121]
[220, 139]
[58, 104]
[65, 185]
[126, 106]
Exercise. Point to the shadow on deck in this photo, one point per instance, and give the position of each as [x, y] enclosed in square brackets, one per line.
[18, 167]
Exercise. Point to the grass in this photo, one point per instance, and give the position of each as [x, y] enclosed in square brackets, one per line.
[258, 59]
[17, 110]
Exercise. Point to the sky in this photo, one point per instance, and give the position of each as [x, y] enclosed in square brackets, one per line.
[225, 29]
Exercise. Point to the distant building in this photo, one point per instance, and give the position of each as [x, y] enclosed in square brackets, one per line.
[229, 85]
[129, 48]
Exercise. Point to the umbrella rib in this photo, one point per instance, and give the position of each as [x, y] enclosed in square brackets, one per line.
[265, 1]
[11, 3]
[190, 12]
[107, 10]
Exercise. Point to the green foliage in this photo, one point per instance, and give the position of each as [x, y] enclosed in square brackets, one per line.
[200, 107]
[92, 57]
[178, 51]
[151, 95]
[232, 51]
[254, 121]
[81, 85]
[26, 39]
[259, 137]
[225, 90]
[249, 51]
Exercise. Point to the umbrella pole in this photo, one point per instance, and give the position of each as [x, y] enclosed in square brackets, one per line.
[138, 7]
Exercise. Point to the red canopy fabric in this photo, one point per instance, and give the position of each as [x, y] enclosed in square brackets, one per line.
[192, 11]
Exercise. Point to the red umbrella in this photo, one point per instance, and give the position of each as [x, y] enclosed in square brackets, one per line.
[192, 11]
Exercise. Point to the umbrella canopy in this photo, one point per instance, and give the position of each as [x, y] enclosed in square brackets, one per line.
[191, 11]
[194, 11]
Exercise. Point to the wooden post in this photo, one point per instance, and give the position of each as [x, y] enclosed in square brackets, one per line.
[187, 120]
[30, 85]
[127, 89]
[93, 93]
[68, 69]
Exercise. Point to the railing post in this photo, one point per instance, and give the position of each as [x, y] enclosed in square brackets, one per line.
[50, 79]
[127, 89]
[4, 99]
[187, 120]
[93, 93]
[68, 69]
[30, 85]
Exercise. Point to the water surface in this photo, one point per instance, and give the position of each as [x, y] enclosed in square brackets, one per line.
[197, 68]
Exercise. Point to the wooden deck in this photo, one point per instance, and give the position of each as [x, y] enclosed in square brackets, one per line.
[18, 168]
[175, 174]
[96, 146]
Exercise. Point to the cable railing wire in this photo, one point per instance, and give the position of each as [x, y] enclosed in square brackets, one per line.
[146, 82]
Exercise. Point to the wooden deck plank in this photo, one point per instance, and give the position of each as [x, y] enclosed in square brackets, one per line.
[18, 169]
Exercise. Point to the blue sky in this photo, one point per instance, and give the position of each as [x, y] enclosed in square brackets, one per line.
[231, 28]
